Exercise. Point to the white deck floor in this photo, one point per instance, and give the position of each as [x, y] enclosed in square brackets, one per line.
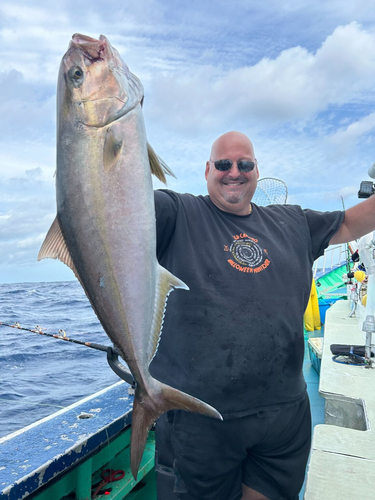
[342, 463]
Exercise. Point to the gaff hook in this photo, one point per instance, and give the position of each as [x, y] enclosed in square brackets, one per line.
[119, 368]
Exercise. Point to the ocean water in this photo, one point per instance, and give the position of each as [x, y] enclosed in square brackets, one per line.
[40, 375]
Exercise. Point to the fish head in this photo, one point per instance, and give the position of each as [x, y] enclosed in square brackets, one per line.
[95, 86]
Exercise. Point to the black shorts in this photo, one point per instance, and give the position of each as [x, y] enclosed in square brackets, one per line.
[199, 458]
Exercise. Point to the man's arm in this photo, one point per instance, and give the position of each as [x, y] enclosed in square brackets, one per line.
[359, 220]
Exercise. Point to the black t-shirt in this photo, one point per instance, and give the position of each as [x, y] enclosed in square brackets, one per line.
[235, 339]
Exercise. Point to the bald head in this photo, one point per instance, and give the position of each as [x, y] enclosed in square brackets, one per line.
[231, 190]
[228, 141]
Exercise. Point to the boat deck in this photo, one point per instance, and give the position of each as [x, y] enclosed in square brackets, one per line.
[342, 463]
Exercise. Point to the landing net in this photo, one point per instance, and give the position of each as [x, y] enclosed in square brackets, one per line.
[270, 191]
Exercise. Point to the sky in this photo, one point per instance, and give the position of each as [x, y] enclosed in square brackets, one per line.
[297, 77]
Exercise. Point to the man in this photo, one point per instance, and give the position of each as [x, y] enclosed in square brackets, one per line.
[235, 340]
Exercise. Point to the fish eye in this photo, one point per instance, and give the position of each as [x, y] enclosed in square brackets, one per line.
[76, 76]
[75, 73]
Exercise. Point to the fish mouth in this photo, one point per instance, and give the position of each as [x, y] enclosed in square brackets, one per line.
[88, 60]
[93, 50]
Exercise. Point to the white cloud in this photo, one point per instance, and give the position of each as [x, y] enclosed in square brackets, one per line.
[296, 85]
[346, 59]
[19, 157]
[29, 15]
[345, 192]
[348, 137]
[31, 242]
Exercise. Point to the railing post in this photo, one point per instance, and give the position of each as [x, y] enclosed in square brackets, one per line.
[324, 262]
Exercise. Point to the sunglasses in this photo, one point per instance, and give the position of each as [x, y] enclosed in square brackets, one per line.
[242, 165]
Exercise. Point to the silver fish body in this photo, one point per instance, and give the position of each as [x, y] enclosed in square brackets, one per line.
[105, 224]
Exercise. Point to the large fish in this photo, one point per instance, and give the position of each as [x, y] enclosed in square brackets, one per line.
[105, 224]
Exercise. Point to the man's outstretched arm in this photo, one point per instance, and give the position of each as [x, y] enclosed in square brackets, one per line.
[359, 220]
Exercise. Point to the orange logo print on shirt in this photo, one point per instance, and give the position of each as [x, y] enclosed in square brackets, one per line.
[248, 256]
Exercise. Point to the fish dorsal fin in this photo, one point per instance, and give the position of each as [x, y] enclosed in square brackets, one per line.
[113, 144]
[54, 247]
[158, 167]
[165, 284]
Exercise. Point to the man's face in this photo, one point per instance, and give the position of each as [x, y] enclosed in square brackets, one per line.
[232, 190]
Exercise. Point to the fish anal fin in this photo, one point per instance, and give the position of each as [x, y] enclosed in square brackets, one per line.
[158, 167]
[112, 148]
[54, 247]
[166, 282]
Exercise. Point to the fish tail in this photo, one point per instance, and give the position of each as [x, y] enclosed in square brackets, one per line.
[147, 409]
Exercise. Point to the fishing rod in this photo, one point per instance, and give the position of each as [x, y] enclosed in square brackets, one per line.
[112, 353]
[62, 336]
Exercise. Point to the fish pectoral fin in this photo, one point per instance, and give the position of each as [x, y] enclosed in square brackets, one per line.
[54, 246]
[158, 167]
[113, 144]
[166, 282]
